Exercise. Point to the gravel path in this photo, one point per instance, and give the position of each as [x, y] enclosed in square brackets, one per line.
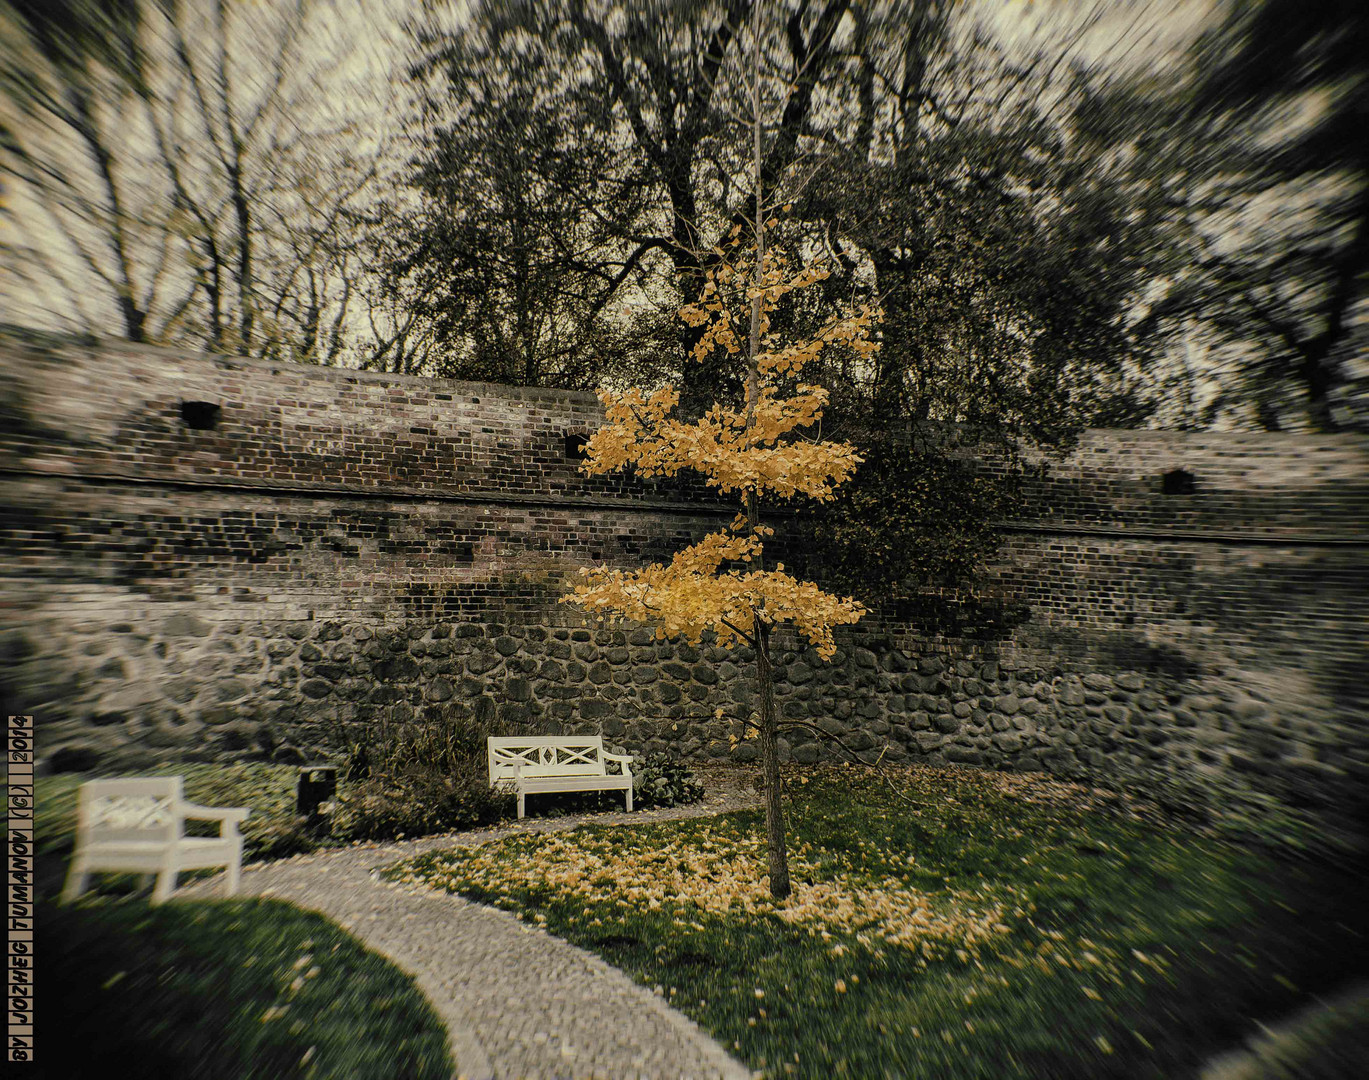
[519, 1004]
[1324, 1039]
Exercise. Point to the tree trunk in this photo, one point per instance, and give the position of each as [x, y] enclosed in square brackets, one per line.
[770, 763]
[135, 319]
[246, 293]
[1318, 370]
[765, 676]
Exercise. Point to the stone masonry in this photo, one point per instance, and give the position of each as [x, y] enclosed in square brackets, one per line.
[218, 558]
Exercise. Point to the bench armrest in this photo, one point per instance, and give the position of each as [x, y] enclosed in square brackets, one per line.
[625, 759]
[514, 782]
[229, 817]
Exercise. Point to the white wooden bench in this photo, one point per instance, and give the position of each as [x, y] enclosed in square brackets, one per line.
[542, 763]
[137, 825]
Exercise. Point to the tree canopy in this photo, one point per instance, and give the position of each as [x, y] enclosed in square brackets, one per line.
[974, 196]
[1281, 275]
[931, 169]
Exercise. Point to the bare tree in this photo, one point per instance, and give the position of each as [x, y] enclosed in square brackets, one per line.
[70, 73]
[185, 162]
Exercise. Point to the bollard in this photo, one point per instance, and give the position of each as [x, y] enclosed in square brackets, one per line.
[317, 786]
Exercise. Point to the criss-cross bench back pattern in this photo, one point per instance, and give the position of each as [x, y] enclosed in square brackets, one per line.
[137, 825]
[544, 763]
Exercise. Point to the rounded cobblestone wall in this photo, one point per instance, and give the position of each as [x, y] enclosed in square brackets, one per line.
[189, 688]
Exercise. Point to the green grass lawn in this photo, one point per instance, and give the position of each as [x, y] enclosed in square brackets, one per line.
[1005, 926]
[223, 990]
[232, 989]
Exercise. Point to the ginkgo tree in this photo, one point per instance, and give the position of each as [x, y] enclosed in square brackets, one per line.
[721, 585]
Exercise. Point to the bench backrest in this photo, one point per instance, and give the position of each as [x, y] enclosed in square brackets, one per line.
[142, 808]
[546, 755]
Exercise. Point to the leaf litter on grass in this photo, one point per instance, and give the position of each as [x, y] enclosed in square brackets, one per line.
[720, 876]
[953, 924]
[718, 870]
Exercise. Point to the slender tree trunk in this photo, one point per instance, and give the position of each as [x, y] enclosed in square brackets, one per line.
[770, 763]
[765, 675]
[213, 287]
[1317, 378]
[1318, 371]
[246, 293]
[135, 319]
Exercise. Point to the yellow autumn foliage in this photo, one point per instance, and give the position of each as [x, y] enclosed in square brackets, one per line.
[717, 876]
[692, 595]
[749, 450]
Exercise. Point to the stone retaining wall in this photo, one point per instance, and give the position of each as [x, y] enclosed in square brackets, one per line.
[341, 548]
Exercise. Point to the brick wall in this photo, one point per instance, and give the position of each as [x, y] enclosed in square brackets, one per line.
[212, 557]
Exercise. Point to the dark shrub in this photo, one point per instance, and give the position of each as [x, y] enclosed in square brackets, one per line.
[659, 780]
[432, 776]
[416, 802]
[428, 776]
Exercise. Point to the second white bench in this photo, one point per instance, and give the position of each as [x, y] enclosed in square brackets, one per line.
[137, 825]
[543, 763]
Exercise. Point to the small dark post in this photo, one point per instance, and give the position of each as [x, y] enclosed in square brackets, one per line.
[317, 786]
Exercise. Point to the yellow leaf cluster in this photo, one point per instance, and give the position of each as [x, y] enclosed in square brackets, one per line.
[691, 595]
[720, 445]
[739, 449]
[853, 331]
[725, 328]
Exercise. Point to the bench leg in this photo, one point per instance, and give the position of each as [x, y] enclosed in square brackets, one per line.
[520, 804]
[166, 884]
[629, 800]
[78, 879]
[231, 877]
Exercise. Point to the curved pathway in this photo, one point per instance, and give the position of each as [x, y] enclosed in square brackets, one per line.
[519, 1004]
[1298, 1045]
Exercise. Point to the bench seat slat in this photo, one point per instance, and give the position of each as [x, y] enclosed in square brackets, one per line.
[575, 783]
[142, 847]
[528, 771]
